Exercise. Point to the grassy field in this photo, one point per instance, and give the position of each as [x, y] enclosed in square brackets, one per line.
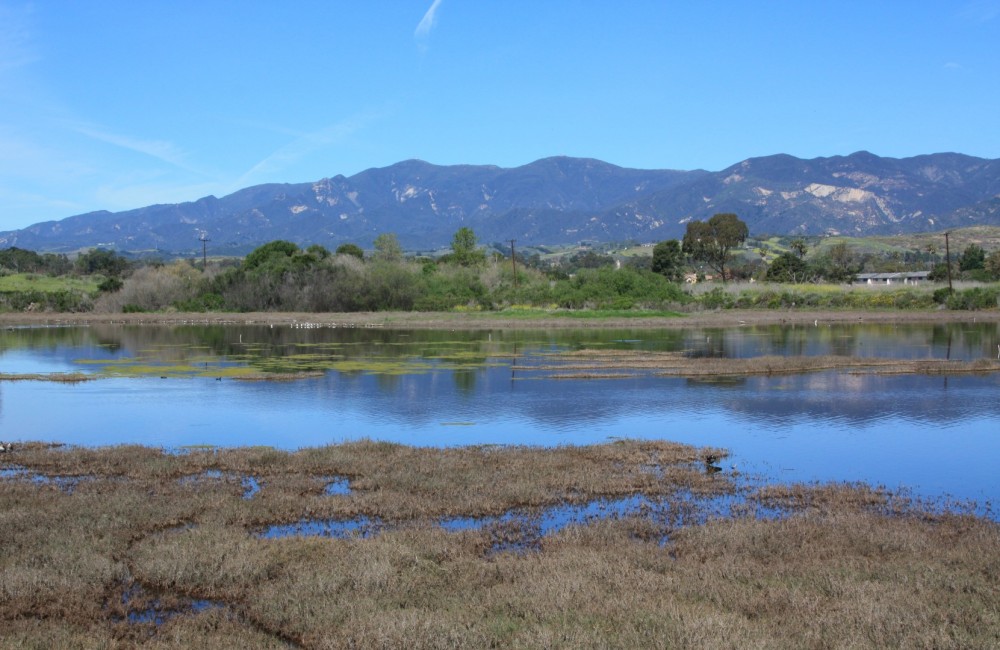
[134, 547]
[48, 284]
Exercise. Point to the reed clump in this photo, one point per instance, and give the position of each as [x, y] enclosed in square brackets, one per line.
[158, 549]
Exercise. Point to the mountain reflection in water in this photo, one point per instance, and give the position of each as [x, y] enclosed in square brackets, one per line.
[935, 434]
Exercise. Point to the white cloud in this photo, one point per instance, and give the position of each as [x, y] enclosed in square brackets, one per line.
[302, 146]
[159, 149]
[426, 24]
[128, 194]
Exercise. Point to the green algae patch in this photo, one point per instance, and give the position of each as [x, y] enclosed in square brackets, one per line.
[140, 369]
[377, 367]
[278, 376]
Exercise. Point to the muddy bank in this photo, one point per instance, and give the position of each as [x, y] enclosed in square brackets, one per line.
[498, 320]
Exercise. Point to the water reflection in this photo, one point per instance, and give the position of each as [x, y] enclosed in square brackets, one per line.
[936, 434]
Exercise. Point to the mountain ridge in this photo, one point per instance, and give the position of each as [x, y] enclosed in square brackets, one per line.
[553, 200]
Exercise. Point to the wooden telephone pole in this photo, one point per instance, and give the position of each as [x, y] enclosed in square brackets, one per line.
[513, 261]
[204, 251]
[947, 257]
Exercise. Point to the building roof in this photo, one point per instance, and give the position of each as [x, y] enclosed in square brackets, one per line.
[902, 275]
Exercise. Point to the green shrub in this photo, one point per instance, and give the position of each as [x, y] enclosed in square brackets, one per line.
[204, 302]
[610, 288]
[941, 295]
[975, 298]
[110, 285]
[57, 301]
[717, 298]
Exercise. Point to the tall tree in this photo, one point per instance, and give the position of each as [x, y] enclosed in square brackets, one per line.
[787, 267]
[463, 248]
[972, 258]
[712, 241]
[668, 260]
[840, 264]
[992, 265]
[387, 248]
[271, 254]
[100, 260]
[351, 249]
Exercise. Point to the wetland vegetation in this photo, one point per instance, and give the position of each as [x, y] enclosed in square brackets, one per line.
[159, 549]
[445, 543]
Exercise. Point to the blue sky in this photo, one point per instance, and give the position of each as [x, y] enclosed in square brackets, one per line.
[112, 105]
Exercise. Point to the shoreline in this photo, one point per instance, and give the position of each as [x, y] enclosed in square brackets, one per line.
[497, 320]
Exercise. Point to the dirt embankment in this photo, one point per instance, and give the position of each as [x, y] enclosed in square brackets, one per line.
[493, 320]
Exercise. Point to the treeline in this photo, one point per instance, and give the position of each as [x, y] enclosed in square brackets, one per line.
[99, 260]
[281, 276]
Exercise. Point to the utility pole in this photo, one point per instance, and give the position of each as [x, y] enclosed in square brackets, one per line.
[947, 258]
[204, 254]
[513, 262]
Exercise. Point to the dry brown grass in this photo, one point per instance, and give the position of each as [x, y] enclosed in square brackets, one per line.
[849, 566]
[65, 377]
[600, 364]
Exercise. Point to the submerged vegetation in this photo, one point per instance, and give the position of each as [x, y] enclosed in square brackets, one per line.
[131, 546]
[315, 349]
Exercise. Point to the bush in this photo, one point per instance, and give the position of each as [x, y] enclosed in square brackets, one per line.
[444, 288]
[152, 288]
[110, 285]
[717, 298]
[941, 295]
[608, 288]
[204, 302]
[975, 298]
[56, 301]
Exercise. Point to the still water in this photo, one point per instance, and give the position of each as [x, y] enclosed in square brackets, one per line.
[191, 385]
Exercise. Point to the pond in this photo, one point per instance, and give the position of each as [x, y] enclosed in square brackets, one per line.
[292, 387]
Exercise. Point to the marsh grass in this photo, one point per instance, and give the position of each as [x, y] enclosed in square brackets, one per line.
[63, 377]
[609, 364]
[126, 559]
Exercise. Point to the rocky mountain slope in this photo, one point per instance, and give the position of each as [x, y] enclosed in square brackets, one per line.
[553, 201]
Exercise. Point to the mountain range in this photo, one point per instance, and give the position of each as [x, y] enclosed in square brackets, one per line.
[552, 201]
